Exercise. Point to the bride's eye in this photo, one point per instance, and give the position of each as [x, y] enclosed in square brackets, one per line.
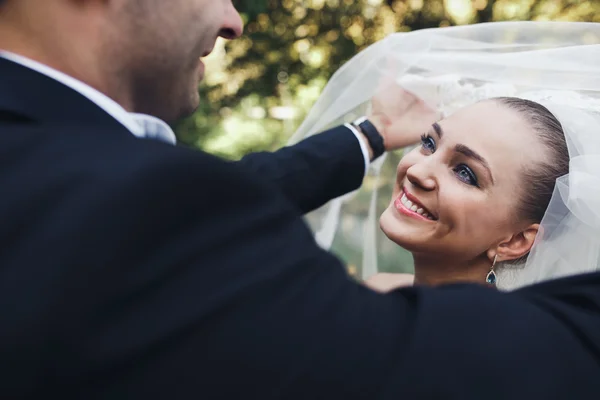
[428, 143]
[466, 174]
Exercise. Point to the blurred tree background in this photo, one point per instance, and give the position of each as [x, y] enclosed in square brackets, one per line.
[259, 88]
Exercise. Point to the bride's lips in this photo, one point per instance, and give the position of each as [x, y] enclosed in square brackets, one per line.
[409, 205]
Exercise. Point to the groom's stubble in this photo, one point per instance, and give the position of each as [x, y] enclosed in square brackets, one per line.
[144, 54]
[159, 45]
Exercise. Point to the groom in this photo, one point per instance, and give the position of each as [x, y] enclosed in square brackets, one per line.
[131, 268]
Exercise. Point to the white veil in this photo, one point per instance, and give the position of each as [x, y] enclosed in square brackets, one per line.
[554, 63]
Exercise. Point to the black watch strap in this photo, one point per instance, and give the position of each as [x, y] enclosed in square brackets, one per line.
[373, 136]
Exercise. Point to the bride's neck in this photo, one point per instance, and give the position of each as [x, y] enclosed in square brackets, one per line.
[434, 271]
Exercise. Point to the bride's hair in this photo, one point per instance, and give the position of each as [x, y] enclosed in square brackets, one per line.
[540, 179]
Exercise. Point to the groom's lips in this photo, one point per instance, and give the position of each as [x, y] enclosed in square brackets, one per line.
[207, 52]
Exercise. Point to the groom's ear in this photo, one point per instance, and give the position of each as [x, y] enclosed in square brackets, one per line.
[519, 244]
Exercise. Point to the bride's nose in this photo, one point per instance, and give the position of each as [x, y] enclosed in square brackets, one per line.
[421, 175]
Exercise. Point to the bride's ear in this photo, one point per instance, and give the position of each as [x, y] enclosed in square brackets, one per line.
[519, 244]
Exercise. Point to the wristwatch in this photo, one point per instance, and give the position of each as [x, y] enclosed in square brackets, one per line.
[373, 136]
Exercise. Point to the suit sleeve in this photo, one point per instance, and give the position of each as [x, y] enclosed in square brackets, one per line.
[211, 286]
[314, 171]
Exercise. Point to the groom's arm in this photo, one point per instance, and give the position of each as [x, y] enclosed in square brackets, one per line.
[317, 169]
[226, 295]
[210, 284]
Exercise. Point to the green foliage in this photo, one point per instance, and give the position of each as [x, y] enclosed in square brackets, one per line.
[260, 87]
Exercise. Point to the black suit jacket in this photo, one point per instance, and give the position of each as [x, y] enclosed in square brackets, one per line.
[134, 269]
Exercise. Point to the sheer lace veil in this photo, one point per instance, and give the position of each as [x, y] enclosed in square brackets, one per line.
[554, 63]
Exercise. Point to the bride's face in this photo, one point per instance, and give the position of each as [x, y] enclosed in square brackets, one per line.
[456, 194]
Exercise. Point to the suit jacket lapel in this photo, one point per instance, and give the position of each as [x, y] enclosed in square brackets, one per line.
[27, 95]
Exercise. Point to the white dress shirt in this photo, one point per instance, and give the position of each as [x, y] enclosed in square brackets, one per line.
[141, 125]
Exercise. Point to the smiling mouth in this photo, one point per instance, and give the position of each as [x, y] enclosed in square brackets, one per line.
[413, 209]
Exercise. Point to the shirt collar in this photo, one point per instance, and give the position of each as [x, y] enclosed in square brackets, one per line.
[140, 125]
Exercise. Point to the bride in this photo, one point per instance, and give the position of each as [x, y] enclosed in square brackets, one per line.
[503, 191]
[463, 203]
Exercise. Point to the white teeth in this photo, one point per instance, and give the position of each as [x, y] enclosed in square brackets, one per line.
[413, 207]
[428, 216]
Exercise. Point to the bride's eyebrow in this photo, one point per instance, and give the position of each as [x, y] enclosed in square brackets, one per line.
[466, 151]
[472, 154]
[438, 129]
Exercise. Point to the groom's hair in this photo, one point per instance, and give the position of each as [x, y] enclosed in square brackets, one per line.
[539, 180]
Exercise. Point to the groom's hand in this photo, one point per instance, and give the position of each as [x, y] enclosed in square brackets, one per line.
[400, 116]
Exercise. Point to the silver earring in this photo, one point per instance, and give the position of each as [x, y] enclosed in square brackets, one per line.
[491, 276]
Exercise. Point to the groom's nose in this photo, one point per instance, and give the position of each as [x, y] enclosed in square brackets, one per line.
[232, 26]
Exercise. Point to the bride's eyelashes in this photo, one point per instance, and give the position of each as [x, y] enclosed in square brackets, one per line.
[462, 171]
[428, 143]
[466, 174]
